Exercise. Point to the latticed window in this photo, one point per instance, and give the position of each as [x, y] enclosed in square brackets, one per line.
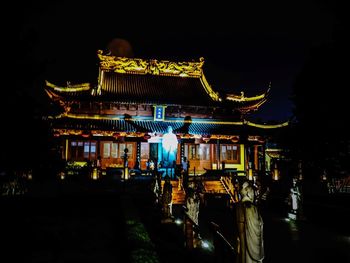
[116, 150]
[90, 150]
[82, 150]
[144, 150]
[197, 151]
[77, 150]
[229, 153]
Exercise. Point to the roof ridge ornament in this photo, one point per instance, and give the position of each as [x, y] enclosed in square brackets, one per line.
[243, 98]
[150, 66]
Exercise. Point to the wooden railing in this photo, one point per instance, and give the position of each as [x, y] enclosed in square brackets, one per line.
[224, 251]
[191, 231]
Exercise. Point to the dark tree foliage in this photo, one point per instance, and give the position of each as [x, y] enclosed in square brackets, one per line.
[25, 134]
[320, 134]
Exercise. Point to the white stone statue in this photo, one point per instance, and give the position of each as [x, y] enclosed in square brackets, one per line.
[169, 142]
[192, 204]
[250, 245]
[295, 195]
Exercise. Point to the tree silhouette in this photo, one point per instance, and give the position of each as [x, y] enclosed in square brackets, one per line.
[321, 133]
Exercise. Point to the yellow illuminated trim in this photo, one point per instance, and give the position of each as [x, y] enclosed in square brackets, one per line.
[214, 95]
[52, 95]
[101, 117]
[222, 136]
[86, 116]
[97, 133]
[155, 113]
[152, 66]
[241, 98]
[182, 69]
[100, 79]
[66, 150]
[274, 153]
[268, 126]
[207, 122]
[273, 150]
[69, 88]
[245, 109]
[122, 65]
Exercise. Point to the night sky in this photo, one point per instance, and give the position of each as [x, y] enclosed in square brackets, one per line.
[245, 46]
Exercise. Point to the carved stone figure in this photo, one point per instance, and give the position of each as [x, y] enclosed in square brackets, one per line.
[295, 195]
[192, 204]
[167, 198]
[250, 245]
[169, 143]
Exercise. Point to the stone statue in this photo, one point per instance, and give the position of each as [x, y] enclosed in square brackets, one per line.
[250, 243]
[167, 198]
[169, 143]
[156, 189]
[295, 196]
[192, 204]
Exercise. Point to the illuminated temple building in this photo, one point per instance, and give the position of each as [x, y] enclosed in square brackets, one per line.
[135, 101]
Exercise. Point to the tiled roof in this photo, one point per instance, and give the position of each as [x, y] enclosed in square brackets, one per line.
[154, 89]
[150, 89]
[139, 81]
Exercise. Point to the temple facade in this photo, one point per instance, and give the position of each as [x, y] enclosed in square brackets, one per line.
[161, 111]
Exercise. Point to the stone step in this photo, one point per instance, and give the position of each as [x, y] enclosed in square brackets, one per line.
[178, 194]
[214, 187]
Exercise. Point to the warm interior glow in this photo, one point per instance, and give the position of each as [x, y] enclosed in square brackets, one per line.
[250, 174]
[275, 174]
[66, 150]
[126, 173]
[95, 174]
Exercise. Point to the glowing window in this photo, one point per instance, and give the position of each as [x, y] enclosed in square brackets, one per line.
[204, 152]
[106, 150]
[144, 150]
[114, 150]
[229, 153]
[197, 151]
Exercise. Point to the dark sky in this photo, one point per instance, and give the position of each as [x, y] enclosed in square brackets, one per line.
[245, 46]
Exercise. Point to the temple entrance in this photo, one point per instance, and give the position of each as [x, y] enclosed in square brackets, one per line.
[153, 151]
[149, 151]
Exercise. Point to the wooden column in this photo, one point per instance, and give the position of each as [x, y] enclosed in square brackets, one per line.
[256, 158]
[218, 154]
[138, 155]
[246, 157]
[263, 164]
[66, 149]
[182, 152]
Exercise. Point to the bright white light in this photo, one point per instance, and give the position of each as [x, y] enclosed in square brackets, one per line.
[170, 140]
[178, 221]
[205, 244]
[292, 216]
